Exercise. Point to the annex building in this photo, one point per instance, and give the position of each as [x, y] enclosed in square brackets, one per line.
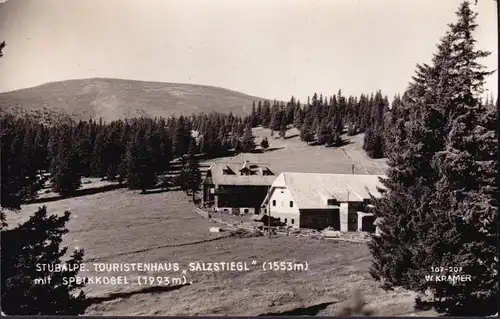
[236, 187]
[317, 200]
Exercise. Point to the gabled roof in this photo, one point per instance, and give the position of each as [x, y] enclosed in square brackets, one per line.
[237, 177]
[309, 189]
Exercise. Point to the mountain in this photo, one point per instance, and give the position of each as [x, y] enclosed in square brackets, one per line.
[112, 99]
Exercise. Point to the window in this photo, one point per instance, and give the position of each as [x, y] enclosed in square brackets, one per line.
[245, 210]
[274, 203]
[293, 220]
[265, 210]
[285, 220]
[331, 202]
[291, 204]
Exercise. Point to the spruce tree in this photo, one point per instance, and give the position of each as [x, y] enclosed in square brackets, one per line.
[140, 163]
[254, 120]
[36, 241]
[65, 166]
[248, 141]
[276, 116]
[24, 248]
[16, 185]
[191, 174]
[322, 136]
[264, 144]
[283, 126]
[297, 116]
[439, 207]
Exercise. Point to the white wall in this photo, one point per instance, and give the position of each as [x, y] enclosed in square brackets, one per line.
[282, 198]
[343, 216]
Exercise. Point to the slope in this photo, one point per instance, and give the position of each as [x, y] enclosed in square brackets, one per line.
[118, 99]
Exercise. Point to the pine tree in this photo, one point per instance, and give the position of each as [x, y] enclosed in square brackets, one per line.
[254, 120]
[191, 174]
[438, 206]
[16, 185]
[65, 166]
[248, 141]
[322, 136]
[140, 164]
[2, 46]
[35, 241]
[276, 116]
[466, 168]
[306, 133]
[266, 114]
[283, 126]
[264, 144]
[26, 247]
[297, 116]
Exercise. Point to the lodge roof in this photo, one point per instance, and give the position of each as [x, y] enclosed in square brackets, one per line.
[239, 174]
[310, 190]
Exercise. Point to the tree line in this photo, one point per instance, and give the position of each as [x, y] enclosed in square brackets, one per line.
[138, 151]
[324, 120]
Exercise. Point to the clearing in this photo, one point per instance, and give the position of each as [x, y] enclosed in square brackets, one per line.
[122, 226]
[293, 155]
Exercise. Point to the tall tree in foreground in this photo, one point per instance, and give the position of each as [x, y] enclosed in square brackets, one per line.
[37, 242]
[439, 208]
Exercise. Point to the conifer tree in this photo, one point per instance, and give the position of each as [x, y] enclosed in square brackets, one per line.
[191, 174]
[266, 114]
[306, 132]
[248, 141]
[276, 116]
[37, 242]
[254, 120]
[297, 116]
[140, 163]
[16, 185]
[438, 206]
[65, 166]
[322, 136]
[264, 144]
[283, 126]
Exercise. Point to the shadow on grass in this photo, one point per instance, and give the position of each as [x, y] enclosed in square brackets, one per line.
[146, 290]
[302, 311]
[161, 190]
[261, 151]
[205, 157]
[291, 136]
[342, 143]
[78, 193]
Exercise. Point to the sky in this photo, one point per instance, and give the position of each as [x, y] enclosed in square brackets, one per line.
[266, 48]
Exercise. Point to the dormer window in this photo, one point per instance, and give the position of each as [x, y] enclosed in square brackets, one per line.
[245, 171]
[227, 171]
[332, 202]
[266, 172]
